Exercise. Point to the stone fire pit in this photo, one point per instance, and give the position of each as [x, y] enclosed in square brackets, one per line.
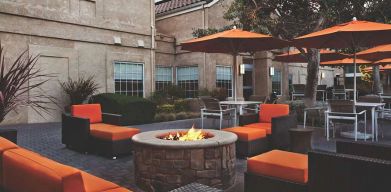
[163, 165]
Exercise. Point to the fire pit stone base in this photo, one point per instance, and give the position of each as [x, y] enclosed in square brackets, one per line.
[162, 168]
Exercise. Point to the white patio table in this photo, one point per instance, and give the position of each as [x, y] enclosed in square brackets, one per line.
[373, 107]
[374, 131]
[240, 104]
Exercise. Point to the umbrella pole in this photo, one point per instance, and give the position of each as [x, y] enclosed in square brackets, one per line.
[234, 77]
[355, 79]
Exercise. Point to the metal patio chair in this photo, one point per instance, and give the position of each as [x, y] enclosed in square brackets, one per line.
[214, 110]
[255, 108]
[342, 111]
[298, 90]
[339, 90]
[321, 89]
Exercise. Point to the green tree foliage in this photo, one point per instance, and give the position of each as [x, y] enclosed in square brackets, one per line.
[288, 19]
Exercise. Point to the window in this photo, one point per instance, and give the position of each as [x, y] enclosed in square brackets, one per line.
[276, 82]
[224, 78]
[163, 78]
[129, 78]
[187, 79]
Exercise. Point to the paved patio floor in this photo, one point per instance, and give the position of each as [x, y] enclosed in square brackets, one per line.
[45, 139]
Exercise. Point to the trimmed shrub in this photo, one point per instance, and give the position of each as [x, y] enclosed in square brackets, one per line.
[181, 105]
[182, 115]
[134, 110]
[166, 108]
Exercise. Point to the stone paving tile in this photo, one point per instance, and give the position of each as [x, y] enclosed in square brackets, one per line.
[45, 139]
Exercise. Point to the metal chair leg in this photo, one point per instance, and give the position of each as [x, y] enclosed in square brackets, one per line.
[305, 118]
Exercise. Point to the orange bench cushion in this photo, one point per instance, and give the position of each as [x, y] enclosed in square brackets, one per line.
[26, 171]
[93, 183]
[269, 111]
[5, 144]
[247, 134]
[280, 164]
[264, 126]
[119, 189]
[112, 132]
[88, 111]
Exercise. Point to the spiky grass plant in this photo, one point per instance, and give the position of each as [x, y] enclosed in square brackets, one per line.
[79, 90]
[20, 84]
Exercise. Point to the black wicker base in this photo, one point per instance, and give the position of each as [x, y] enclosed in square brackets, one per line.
[111, 148]
[257, 183]
[248, 149]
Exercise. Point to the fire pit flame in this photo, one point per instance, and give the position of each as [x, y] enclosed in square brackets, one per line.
[191, 135]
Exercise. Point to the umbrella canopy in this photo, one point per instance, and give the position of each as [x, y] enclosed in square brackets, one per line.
[348, 35]
[383, 62]
[347, 61]
[296, 56]
[234, 41]
[376, 53]
[381, 68]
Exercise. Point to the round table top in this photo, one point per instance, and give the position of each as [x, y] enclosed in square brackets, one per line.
[240, 102]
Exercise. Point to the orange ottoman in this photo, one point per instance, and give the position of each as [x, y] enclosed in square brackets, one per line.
[251, 141]
[277, 170]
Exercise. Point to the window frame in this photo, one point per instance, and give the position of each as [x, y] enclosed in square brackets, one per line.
[198, 77]
[230, 91]
[280, 74]
[142, 73]
[172, 74]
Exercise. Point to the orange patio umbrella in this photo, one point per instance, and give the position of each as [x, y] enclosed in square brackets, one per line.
[381, 68]
[376, 53]
[296, 56]
[234, 41]
[346, 61]
[348, 35]
[383, 62]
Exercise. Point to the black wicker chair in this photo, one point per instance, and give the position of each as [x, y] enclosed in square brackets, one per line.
[76, 135]
[280, 125]
[356, 167]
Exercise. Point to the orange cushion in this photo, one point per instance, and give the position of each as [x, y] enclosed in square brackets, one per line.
[247, 134]
[120, 189]
[93, 183]
[280, 164]
[26, 171]
[5, 144]
[89, 111]
[264, 126]
[269, 111]
[112, 132]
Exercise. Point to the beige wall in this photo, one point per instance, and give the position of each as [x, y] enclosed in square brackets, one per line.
[74, 38]
[180, 27]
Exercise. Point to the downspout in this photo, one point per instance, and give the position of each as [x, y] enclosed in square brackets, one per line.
[153, 47]
[205, 27]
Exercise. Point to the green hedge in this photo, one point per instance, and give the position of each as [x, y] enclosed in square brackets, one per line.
[134, 110]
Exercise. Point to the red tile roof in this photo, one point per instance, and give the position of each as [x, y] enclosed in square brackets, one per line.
[170, 5]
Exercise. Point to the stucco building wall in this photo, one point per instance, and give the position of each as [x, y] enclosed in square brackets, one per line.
[76, 38]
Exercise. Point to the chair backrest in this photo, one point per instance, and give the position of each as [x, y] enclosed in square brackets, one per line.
[269, 111]
[321, 87]
[342, 106]
[211, 103]
[258, 98]
[298, 88]
[339, 88]
[370, 99]
[93, 112]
